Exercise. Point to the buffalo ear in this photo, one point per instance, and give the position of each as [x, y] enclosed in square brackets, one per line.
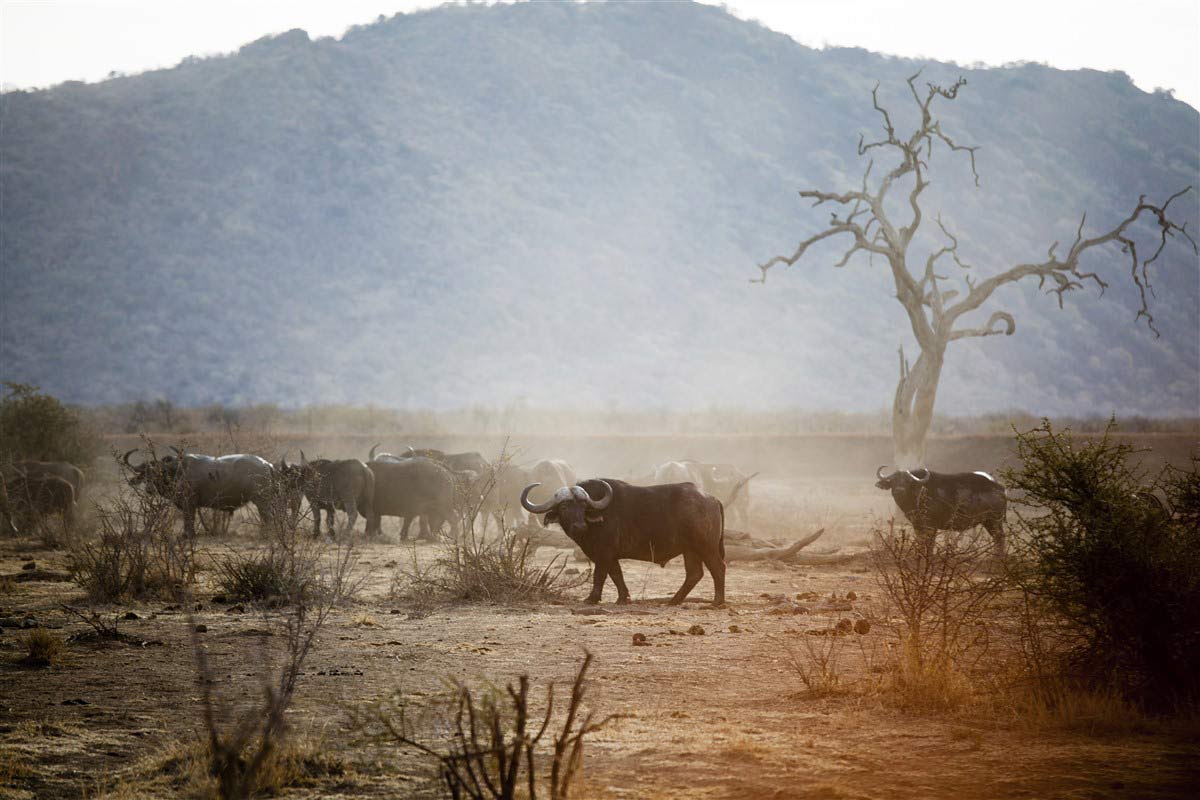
[593, 517]
[550, 518]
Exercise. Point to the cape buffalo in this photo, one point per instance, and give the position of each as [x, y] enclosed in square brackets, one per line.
[934, 501]
[503, 501]
[29, 497]
[730, 485]
[610, 520]
[346, 485]
[413, 487]
[194, 481]
[59, 469]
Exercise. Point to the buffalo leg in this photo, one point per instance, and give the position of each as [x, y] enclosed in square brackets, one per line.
[599, 574]
[693, 566]
[351, 515]
[618, 579]
[189, 522]
[995, 527]
[316, 512]
[716, 567]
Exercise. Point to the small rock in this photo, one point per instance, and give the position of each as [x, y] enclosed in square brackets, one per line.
[130, 615]
[844, 626]
[571, 571]
[201, 629]
[589, 611]
[734, 629]
[639, 640]
[394, 611]
[29, 565]
[389, 565]
[237, 609]
[696, 630]
[851, 596]
[220, 598]
[862, 626]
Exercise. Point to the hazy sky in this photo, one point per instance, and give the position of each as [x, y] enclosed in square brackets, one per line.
[1157, 42]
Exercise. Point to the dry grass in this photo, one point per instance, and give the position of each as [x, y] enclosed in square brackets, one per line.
[183, 770]
[13, 766]
[500, 570]
[42, 648]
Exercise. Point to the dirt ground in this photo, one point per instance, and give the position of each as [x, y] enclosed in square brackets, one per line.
[722, 714]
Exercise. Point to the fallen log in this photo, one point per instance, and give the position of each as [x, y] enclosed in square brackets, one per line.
[735, 551]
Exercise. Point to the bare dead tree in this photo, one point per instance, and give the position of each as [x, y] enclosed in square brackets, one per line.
[933, 307]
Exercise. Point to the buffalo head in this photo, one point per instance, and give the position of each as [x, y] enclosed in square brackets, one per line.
[571, 507]
[159, 474]
[901, 478]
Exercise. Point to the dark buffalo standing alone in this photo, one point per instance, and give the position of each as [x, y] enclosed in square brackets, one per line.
[938, 501]
[610, 520]
[412, 487]
[346, 485]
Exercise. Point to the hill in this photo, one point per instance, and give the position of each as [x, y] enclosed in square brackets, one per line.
[561, 203]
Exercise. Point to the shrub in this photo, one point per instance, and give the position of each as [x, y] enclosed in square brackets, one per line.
[494, 738]
[946, 598]
[138, 553]
[500, 570]
[36, 426]
[1111, 575]
[290, 565]
[42, 648]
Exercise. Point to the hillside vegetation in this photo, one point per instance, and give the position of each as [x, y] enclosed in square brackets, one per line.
[561, 204]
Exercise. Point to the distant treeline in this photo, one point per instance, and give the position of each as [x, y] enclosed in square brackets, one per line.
[163, 416]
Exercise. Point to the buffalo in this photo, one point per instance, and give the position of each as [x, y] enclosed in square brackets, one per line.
[194, 481]
[59, 469]
[934, 501]
[413, 487]
[550, 473]
[31, 496]
[610, 520]
[347, 485]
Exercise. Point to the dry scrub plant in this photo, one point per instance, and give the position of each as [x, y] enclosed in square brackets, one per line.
[947, 601]
[497, 570]
[290, 564]
[137, 554]
[1110, 572]
[493, 739]
[243, 754]
[42, 648]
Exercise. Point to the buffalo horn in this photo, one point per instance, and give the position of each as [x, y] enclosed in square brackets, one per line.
[125, 458]
[915, 478]
[603, 502]
[879, 472]
[539, 508]
[303, 460]
[371, 457]
[411, 453]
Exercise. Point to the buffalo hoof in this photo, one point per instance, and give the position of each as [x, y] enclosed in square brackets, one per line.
[623, 601]
[591, 601]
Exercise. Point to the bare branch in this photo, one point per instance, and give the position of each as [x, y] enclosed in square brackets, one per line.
[1010, 326]
[1066, 276]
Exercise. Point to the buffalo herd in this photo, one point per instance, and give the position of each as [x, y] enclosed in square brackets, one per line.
[680, 508]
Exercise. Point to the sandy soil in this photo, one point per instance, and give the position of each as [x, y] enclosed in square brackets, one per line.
[718, 715]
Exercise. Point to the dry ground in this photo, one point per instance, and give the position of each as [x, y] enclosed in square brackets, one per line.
[720, 715]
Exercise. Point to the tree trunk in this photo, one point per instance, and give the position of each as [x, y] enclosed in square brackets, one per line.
[912, 409]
